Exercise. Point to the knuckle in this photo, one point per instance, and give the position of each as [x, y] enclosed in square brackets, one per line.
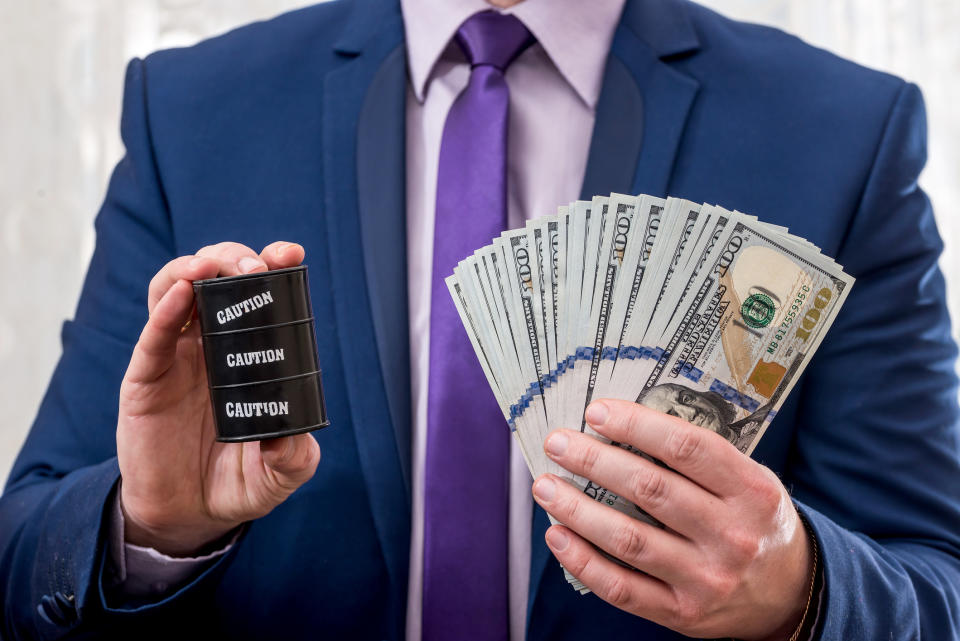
[577, 562]
[617, 592]
[301, 475]
[687, 613]
[133, 391]
[624, 420]
[590, 459]
[160, 276]
[745, 546]
[686, 446]
[287, 458]
[764, 489]
[231, 254]
[570, 508]
[634, 421]
[155, 281]
[308, 457]
[769, 499]
[278, 491]
[648, 486]
[223, 250]
[209, 251]
[721, 584]
[629, 544]
[236, 248]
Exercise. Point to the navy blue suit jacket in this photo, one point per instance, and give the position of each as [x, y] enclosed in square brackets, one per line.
[294, 129]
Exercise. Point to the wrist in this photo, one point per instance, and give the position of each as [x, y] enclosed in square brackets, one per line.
[799, 612]
[172, 540]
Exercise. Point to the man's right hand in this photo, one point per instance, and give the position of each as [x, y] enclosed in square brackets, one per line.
[182, 489]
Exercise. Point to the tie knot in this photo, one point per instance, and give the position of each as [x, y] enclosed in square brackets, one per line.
[492, 38]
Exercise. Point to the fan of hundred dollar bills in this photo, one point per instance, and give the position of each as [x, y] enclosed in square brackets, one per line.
[693, 310]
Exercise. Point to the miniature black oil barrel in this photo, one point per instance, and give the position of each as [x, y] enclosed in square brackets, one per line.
[260, 348]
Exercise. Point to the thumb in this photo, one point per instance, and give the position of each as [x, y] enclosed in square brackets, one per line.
[293, 459]
[156, 350]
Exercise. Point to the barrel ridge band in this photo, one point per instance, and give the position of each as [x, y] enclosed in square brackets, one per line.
[258, 327]
[261, 437]
[266, 380]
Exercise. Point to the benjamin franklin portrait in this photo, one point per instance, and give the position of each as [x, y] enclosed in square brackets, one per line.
[706, 409]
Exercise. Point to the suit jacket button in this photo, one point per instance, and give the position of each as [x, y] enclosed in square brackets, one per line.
[67, 605]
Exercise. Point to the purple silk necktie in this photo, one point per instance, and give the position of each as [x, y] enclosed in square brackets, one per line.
[466, 484]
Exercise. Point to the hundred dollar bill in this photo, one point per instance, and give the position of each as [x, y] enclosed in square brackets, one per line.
[753, 326]
[580, 357]
[583, 229]
[521, 299]
[542, 277]
[637, 255]
[675, 229]
[621, 226]
[558, 266]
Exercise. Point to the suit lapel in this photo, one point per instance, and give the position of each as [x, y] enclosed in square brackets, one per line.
[640, 120]
[638, 87]
[370, 43]
[617, 140]
[381, 192]
[668, 95]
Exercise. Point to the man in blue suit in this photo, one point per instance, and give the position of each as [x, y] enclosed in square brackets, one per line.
[846, 525]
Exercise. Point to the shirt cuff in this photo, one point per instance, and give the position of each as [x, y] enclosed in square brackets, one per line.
[143, 572]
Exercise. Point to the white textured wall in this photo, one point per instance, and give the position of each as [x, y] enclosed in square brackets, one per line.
[61, 69]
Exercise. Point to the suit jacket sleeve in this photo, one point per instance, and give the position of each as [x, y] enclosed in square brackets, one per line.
[54, 513]
[876, 467]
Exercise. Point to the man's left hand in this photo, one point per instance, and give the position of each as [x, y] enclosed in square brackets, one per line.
[734, 559]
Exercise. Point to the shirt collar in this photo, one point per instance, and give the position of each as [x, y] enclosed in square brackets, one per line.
[576, 35]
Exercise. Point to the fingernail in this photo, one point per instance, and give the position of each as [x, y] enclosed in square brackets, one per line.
[557, 539]
[596, 413]
[248, 264]
[545, 489]
[282, 247]
[557, 443]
